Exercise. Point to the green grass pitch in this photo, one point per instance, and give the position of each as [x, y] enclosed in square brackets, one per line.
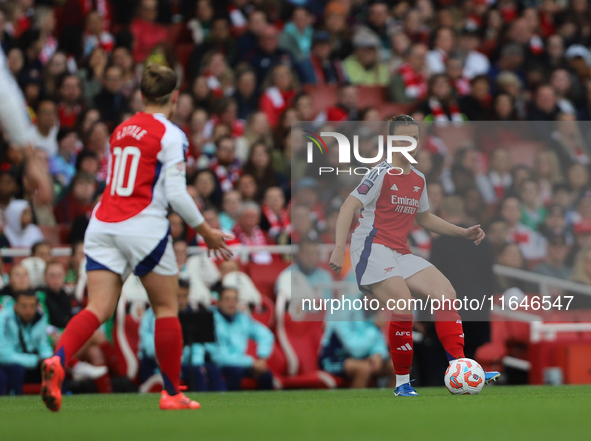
[498, 413]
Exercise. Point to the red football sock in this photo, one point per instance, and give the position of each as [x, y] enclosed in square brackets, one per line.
[79, 329]
[448, 325]
[168, 340]
[400, 335]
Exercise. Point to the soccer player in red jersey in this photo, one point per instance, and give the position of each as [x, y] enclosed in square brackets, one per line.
[392, 197]
[129, 232]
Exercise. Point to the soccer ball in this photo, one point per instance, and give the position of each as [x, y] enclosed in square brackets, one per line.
[464, 376]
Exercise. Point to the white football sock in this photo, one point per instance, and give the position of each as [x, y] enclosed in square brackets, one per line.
[401, 379]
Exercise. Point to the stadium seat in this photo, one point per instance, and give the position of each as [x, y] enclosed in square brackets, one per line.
[299, 342]
[323, 96]
[372, 96]
[265, 313]
[264, 277]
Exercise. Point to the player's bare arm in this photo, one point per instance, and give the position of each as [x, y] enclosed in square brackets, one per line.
[435, 224]
[346, 213]
[181, 202]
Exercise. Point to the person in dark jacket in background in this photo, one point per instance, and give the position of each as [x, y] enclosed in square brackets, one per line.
[469, 268]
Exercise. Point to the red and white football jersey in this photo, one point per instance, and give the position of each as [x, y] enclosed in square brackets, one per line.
[134, 202]
[390, 204]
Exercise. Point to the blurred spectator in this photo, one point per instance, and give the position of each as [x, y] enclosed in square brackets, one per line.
[296, 37]
[230, 205]
[306, 262]
[347, 108]
[18, 281]
[232, 277]
[62, 165]
[547, 172]
[146, 32]
[23, 333]
[499, 174]
[219, 40]
[320, 67]
[123, 59]
[91, 74]
[45, 136]
[275, 219]
[96, 142]
[570, 144]
[556, 252]
[78, 201]
[247, 187]
[35, 264]
[111, 102]
[577, 177]
[441, 106]
[245, 95]
[257, 129]
[225, 166]
[205, 182]
[196, 372]
[364, 67]
[455, 257]
[355, 349]
[477, 104]
[544, 106]
[530, 242]
[267, 54]
[443, 43]
[95, 35]
[260, 166]
[497, 232]
[510, 256]
[200, 25]
[410, 82]
[476, 63]
[278, 92]
[233, 329]
[70, 103]
[249, 233]
[19, 230]
[533, 211]
[56, 303]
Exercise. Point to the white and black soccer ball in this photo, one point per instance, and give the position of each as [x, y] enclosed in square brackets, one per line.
[464, 376]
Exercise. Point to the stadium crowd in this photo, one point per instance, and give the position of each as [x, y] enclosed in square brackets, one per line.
[248, 69]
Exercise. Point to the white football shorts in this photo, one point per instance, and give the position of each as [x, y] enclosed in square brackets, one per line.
[138, 254]
[374, 262]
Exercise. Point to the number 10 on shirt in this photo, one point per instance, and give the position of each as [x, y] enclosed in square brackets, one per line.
[121, 156]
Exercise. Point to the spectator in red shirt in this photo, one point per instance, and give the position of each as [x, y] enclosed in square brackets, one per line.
[225, 165]
[249, 233]
[275, 220]
[78, 201]
[70, 106]
[280, 88]
[146, 32]
[347, 109]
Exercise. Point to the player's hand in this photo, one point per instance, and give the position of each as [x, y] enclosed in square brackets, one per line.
[336, 260]
[474, 233]
[216, 243]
